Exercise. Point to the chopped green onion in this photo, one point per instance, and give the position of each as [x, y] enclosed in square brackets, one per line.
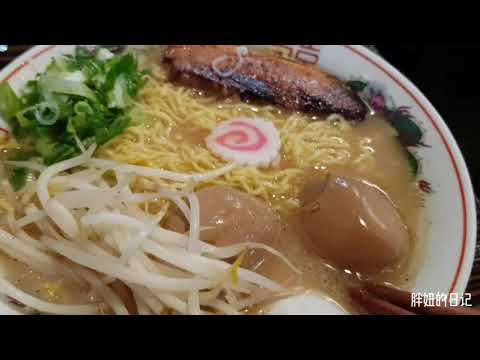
[18, 179]
[63, 86]
[79, 99]
[10, 104]
[82, 108]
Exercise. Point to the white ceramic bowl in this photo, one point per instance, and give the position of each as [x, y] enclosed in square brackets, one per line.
[450, 208]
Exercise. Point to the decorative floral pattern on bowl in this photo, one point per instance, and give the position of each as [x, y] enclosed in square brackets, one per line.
[410, 133]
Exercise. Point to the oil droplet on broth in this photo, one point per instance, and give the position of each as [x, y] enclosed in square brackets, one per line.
[35, 284]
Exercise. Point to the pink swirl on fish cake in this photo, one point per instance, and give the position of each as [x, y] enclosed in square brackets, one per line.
[241, 140]
[253, 142]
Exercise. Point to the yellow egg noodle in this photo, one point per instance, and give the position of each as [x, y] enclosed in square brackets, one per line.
[92, 226]
[164, 107]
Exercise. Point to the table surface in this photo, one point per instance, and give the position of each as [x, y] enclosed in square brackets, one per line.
[441, 71]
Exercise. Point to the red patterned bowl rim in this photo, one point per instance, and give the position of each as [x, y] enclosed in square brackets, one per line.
[465, 262]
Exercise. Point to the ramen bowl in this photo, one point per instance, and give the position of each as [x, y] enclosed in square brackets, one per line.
[449, 220]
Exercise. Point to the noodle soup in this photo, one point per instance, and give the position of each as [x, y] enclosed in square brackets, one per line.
[168, 217]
